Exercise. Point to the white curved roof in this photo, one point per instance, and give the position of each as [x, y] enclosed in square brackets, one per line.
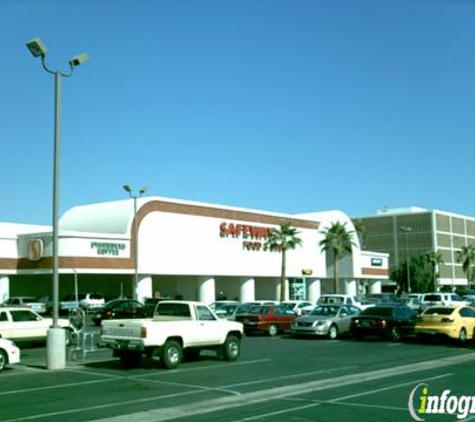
[107, 217]
[116, 217]
[327, 218]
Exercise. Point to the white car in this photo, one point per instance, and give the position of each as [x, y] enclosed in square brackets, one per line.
[27, 301]
[298, 306]
[91, 301]
[440, 298]
[9, 353]
[22, 324]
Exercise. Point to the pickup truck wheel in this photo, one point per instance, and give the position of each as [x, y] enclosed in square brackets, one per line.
[171, 354]
[130, 359]
[3, 360]
[231, 349]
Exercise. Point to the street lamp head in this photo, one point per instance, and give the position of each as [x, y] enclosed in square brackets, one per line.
[142, 191]
[37, 48]
[78, 60]
[128, 189]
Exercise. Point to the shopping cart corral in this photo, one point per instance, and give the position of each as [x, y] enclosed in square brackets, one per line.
[83, 338]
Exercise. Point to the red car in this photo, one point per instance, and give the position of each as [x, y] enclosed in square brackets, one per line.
[270, 319]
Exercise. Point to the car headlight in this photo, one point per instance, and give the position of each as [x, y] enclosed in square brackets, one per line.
[320, 323]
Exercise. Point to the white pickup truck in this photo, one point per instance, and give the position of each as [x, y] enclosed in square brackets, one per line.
[178, 329]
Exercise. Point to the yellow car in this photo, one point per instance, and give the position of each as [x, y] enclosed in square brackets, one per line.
[457, 322]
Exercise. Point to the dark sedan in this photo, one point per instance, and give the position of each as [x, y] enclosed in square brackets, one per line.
[120, 309]
[390, 321]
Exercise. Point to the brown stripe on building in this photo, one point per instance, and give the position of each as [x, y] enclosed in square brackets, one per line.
[374, 271]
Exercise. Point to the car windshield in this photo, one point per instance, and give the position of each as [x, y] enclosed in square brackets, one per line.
[325, 311]
[378, 311]
[258, 309]
[113, 303]
[439, 311]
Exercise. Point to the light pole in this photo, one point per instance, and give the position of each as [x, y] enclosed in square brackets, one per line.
[406, 230]
[142, 191]
[56, 340]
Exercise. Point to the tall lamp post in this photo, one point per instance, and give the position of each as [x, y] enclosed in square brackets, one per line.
[406, 230]
[56, 337]
[142, 191]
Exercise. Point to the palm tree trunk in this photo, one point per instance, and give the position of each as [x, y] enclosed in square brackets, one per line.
[335, 273]
[282, 277]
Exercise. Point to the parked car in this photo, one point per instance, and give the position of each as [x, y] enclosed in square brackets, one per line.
[376, 298]
[457, 322]
[439, 298]
[269, 319]
[340, 299]
[9, 353]
[229, 311]
[218, 303]
[23, 324]
[412, 302]
[325, 320]
[297, 306]
[68, 303]
[27, 301]
[389, 320]
[120, 309]
[91, 301]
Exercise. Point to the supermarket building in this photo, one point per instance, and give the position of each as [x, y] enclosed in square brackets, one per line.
[188, 250]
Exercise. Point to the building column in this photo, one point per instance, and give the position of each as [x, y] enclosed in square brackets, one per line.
[247, 290]
[206, 290]
[375, 286]
[144, 287]
[4, 288]
[351, 288]
[314, 289]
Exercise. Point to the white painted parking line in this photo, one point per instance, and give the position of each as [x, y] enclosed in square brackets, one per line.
[53, 387]
[228, 402]
[103, 406]
[208, 367]
[116, 377]
[315, 403]
[303, 374]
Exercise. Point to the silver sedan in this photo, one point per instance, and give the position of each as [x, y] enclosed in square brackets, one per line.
[325, 320]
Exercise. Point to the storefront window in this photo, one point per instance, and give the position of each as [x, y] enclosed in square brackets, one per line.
[297, 289]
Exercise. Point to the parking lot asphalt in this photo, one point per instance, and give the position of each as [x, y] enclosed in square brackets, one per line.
[276, 379]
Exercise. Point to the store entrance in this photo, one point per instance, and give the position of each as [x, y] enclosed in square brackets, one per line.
[297, 289]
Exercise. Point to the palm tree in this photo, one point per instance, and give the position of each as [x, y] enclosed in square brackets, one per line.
[360, 230]
[467, 257]
[284, 239]
[339, 241]
[433, 259]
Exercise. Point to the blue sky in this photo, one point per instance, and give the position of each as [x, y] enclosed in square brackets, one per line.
[286, 106]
